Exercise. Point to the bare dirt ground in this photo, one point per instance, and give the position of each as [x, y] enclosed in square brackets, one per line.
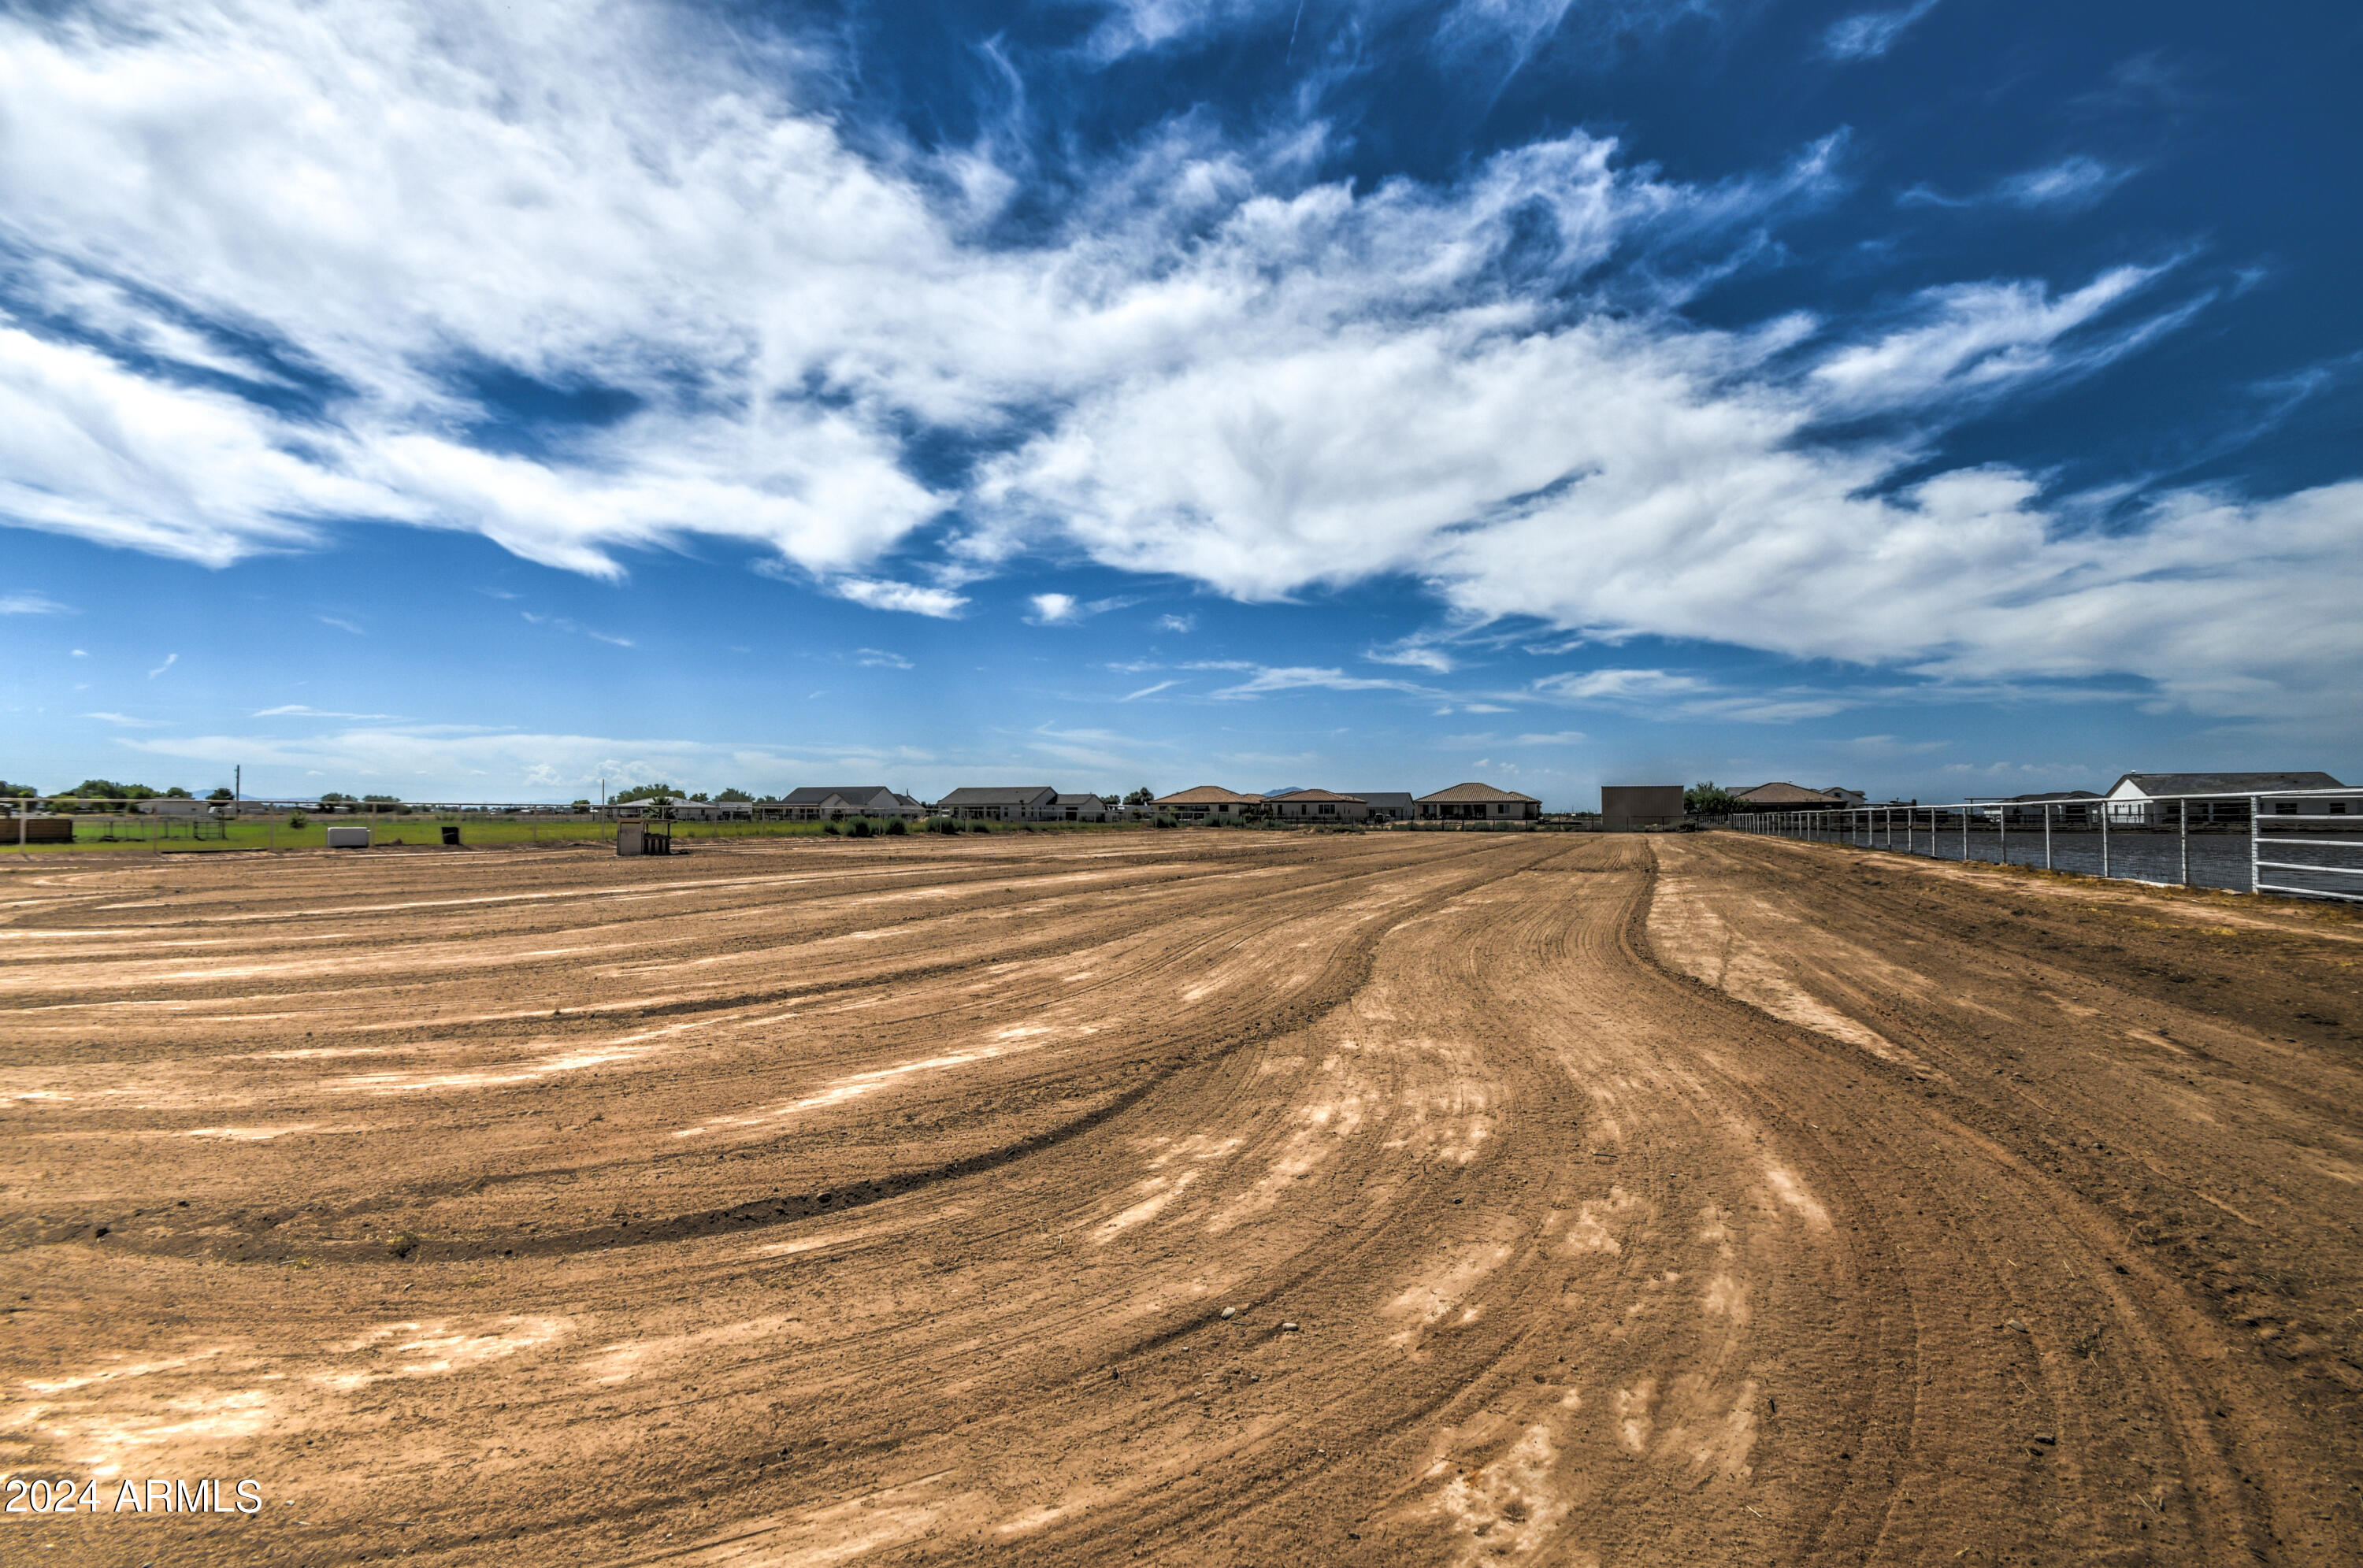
[1576, 1200]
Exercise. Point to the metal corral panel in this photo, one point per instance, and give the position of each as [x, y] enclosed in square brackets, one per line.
[349, 838]
[39, 829]
[1640, 805]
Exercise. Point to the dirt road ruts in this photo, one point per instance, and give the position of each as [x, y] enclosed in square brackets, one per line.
[1575, 1200]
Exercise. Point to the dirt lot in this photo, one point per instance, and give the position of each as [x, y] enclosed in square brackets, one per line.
[1576, 1200]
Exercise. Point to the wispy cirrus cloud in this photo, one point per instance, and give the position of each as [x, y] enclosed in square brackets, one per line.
[880, 593]
[1264, 679]
[1066, 610]
[574, 628]
[2072, 182]
[299, 711]
[878, 659]
[1869, 34]
[29, 604]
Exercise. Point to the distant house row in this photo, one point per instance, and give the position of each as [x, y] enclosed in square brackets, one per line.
[1043, 803]
[1462, 802]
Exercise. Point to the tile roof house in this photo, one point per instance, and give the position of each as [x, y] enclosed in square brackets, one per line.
[1478, 802]
[1002, 803]
[1211, 803]
[1784, 796]
[1317, 806]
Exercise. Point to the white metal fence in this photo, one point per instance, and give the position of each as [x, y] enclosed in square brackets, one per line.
[2299, 843]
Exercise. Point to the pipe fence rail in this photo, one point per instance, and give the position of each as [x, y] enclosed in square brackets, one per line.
[2297, 843]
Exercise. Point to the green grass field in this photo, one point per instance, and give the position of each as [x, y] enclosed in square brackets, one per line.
[139, 835]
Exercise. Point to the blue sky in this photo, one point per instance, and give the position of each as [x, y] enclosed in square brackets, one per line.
[482, 401]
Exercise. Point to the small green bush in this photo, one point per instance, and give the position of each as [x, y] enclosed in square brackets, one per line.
[860, 828]
[829, 828]
[297, 819]
[896, 829]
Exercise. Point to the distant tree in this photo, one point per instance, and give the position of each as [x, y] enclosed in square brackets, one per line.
[18, 791]
[176, 794]
[335, 795]
[730, 795]
[1108, 800]
[645, 792]
[1708, 798]
[220, 792]
[699, 796]
[1140, 797]
[380, 800]
[108, 790]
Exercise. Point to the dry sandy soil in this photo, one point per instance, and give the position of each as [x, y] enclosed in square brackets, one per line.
[1182, 1198]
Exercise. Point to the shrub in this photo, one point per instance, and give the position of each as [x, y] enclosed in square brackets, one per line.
[896, 829]
[860, 828]
[829, 828]
[297, 819]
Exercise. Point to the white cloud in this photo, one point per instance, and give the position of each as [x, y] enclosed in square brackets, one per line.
[878, 659]
[1180, 623]
[1618, 685]
[125, 720]
[2074, 182]
[1871, 34]
[2071, 182]
[170, 660]
[31, 604]
[879, 594]
[1261, 385]
[339, 624]
[1263, 679]
[561, 623]
[1066, 610]
[1415, 653]
[298, 711]
[1971, 339]
[1147, 691]
[1557, 738]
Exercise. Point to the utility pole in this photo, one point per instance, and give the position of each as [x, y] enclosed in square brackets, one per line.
[238, 781]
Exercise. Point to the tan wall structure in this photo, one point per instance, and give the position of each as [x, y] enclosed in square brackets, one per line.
[1624, 807]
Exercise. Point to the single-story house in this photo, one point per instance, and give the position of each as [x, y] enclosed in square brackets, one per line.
[1212, 803]
[2067, 806]
[822, 802]
[1478, 802]
[1783, 795]
[2136, 797]
[1002, 803]
[684, 809]
[1317, 806]
[1388, 805]
[1084, 808]
[1624, 807]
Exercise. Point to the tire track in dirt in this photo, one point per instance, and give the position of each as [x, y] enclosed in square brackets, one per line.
[1631, 1199]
